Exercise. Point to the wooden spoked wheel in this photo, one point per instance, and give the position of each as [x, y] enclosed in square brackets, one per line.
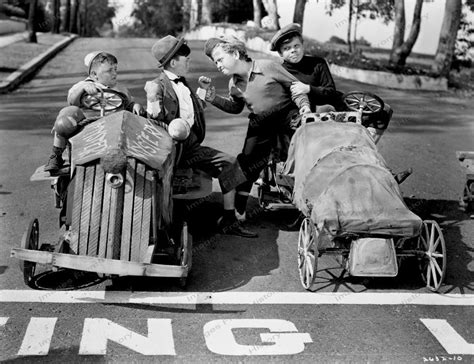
[30, 241]
[307, 252]
[366, 102]
[186, 252]
[433, 262]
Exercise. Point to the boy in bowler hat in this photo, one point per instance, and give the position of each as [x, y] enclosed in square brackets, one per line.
[169, 97]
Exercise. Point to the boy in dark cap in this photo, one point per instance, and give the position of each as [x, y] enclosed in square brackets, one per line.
[168, 98]
[315, 80]
[314, 77]
[102, 71]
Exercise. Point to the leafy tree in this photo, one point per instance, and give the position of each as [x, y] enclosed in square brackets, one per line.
[158, 17]
[359, 9]
[94, 15]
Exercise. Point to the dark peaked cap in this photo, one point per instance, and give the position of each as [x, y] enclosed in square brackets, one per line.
[284, 33]
[165, 48]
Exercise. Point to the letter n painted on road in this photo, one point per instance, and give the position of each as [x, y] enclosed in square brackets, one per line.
[283, 334]
[97, 331]
[451, 341]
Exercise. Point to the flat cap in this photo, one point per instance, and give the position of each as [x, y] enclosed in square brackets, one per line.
[284, 33]
[211, 43]
[165, 48]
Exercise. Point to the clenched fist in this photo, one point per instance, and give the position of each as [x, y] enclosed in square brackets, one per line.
[204, 82]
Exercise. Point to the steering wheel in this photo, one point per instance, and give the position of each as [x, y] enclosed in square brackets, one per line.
[104, 101]
[363, 101]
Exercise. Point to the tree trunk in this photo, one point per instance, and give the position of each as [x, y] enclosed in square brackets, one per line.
[74, 17]
[56, 17]
[206, 16]
[298, 15]
[67, 15]
[84, 31]
[349, 26]
[400, 54]
[193, 14]
[257, 13]
[447, 37]
[399, 32]
[272, 10]
[356, 21]
[31, 22]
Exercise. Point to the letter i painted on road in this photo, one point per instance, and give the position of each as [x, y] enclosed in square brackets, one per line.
[37, 339]
[97, 331]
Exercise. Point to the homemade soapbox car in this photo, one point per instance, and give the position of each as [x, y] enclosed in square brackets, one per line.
[117, 208]
[351, 204]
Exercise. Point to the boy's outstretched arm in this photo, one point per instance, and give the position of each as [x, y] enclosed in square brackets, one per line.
[76, 91]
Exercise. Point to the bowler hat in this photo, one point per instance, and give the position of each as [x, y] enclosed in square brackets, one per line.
[284, 33]
[165, 48]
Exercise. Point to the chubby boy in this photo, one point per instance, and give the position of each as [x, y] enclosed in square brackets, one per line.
[102, 71]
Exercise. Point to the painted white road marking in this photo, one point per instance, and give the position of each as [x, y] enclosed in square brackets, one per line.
[449, 338]
[238, 297]
[98, 331]
[283, 334]
[38, 336]
[3, 321]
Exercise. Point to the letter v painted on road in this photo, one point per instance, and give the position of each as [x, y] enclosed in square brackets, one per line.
[451, 341]
[37, 339]
[97, 331]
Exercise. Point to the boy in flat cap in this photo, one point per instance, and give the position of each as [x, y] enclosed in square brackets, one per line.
[169, 97]
[264, 86]
[315, 80]
[102, 71]
[314, 77]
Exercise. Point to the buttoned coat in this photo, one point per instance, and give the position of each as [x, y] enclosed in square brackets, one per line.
[160, 91]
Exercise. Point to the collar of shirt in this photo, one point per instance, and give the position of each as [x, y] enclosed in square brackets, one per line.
[170, 75]
[186, 108]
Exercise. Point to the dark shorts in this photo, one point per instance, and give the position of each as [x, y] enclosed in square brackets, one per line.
[217, 164]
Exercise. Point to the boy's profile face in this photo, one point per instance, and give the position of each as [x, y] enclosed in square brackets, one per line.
[292, 50]
[105, 73]
[180, 65]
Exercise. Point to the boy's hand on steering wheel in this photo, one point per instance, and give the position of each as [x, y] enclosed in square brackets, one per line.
[91, 88]
[204, 82]
[299, 88]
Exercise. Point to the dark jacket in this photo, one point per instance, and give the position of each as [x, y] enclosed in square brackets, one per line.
[314, 71]
[160, 89]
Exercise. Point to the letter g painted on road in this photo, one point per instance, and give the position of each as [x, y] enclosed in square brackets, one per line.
[283, 334]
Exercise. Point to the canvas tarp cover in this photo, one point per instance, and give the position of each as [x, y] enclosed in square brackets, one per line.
[343, 183]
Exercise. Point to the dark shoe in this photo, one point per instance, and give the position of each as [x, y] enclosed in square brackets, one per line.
[402, 176]
[55, 162]
[233, 227]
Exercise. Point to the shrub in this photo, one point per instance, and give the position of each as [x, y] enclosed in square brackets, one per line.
[337, 40]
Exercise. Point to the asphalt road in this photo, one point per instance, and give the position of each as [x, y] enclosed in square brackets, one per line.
[426, 130]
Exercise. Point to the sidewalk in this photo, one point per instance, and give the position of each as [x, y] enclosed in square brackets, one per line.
[20, 59]
[12, 38]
